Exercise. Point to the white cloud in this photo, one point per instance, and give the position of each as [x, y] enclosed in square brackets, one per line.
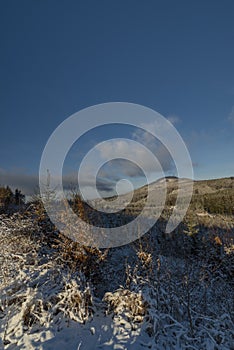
[114, 152]
[138, 153]
[174, 119]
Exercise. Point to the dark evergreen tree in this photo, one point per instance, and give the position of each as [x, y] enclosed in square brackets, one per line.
[19, 197]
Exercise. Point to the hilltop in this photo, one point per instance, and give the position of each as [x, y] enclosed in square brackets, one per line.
[212, 201]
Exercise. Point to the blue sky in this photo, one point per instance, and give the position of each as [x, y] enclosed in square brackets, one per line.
[57, 57]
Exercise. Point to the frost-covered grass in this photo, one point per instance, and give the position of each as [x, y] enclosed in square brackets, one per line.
[147, 295]
[187, 308]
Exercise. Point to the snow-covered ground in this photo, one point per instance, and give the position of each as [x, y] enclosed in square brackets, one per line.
[134, 299]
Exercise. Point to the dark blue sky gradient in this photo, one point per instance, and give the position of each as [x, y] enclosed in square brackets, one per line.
[176, 57]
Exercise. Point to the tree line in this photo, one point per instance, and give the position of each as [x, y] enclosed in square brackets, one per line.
[8, 197]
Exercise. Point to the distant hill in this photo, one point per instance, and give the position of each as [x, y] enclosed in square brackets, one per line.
[212, 199]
